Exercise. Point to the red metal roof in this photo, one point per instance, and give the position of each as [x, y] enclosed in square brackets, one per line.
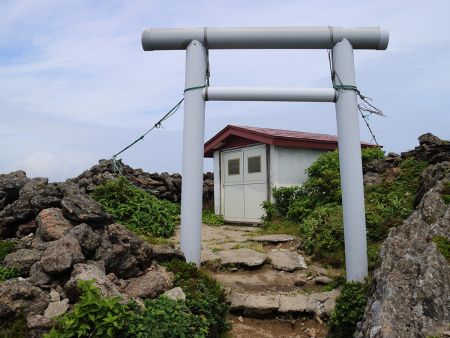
[234, 136]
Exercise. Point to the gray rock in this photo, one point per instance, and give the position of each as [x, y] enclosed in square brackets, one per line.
[273, 238]
[294, 303]
[38, 276]
[83, 209]
[20, 296]
[124, 254]
[39, 322]
[10, 185]
[286, 260]
[61, 255]
[88, 239]
[166, 252]
[54, 296]
[244, 257]
[261, 304]
[322, 280]
[175, 294]
[56, 308]
[52, 225]
[23, 259]
[87, 272]
[412, 284]
[153, 283]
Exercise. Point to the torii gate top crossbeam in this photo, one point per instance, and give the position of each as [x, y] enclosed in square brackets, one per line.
[264, 37]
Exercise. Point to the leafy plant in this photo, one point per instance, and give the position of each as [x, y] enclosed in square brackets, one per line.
[136, 209]
[92, 316]
[446, 193]
[8, 273]
[5, 248]
[204, 296]
[210, 218]
[443, 246]
[373, 255]
[349, 309]
[166, 318]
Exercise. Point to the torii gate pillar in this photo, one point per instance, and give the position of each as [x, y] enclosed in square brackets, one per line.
[193, 140]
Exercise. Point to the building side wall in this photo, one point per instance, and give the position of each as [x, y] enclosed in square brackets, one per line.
[291, 164]
[217, 183]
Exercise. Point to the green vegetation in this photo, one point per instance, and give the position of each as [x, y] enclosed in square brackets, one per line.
[204, 296]
[16, 328]
[202, 315]
[5, 248]
[8, 273]
[166, 318]
[92, 316]
[314, 212]
[446, 193]
[443, 246]
[349, 309]
[136, 209]
[210, 218]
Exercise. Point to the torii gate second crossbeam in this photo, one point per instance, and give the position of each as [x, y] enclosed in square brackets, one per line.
[342, 42]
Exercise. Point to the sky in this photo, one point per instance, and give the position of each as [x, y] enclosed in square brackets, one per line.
[76, 86]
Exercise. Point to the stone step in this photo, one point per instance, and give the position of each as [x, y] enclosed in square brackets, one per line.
[273, 238]
[260, 304]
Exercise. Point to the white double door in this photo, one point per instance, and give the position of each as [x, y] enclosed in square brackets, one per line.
[244, 183]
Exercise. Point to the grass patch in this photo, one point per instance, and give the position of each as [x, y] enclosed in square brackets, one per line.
[443, 246]
[210, 218]
[204, 296]
[254, 246]
[5, 248]
[446, 193]
[8, 273]
[16, 328]
[349, 309]
[136, 209]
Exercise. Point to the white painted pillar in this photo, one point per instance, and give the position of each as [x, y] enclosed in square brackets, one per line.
[193, 139]
[350, 164]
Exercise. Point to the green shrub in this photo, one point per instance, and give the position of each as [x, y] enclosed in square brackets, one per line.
[92, 316]
[446, 193]
[166, 318]
[210, 218]
[283, 197]
[5, 248]
[349, 309]
[204, 296]
[136, 209]
[8, 273]
[322, 232]
[373, 255]
[443, 246]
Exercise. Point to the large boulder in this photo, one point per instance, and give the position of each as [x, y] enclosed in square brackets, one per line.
[123, 252]
[154, 282]
[23, 259]
[83, 209]
[88, 239]
[20, 296]
[60, 255]
[10, 185]
[410, 290]
[52, 225]
[86, 272]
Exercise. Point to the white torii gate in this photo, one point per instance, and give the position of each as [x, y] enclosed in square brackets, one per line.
[342, 41]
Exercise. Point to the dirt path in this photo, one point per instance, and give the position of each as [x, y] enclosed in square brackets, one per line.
[273, 289]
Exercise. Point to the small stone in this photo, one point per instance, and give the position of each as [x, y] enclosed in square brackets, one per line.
[274, 238]
[286, 260]
[309, 277]
[318, 319]
[245, 257]
[323, 280]
[39, 322]
[56, 308]
[241, 319]
[150, 285]
[300, 280]
[175, 294]
[54, 296]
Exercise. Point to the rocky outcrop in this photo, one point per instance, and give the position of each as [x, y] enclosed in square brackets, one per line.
[164, 185]
[411, 288]
[62, 236]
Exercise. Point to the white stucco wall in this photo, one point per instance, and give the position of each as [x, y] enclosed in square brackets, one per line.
[217, 183]
[288, 165]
